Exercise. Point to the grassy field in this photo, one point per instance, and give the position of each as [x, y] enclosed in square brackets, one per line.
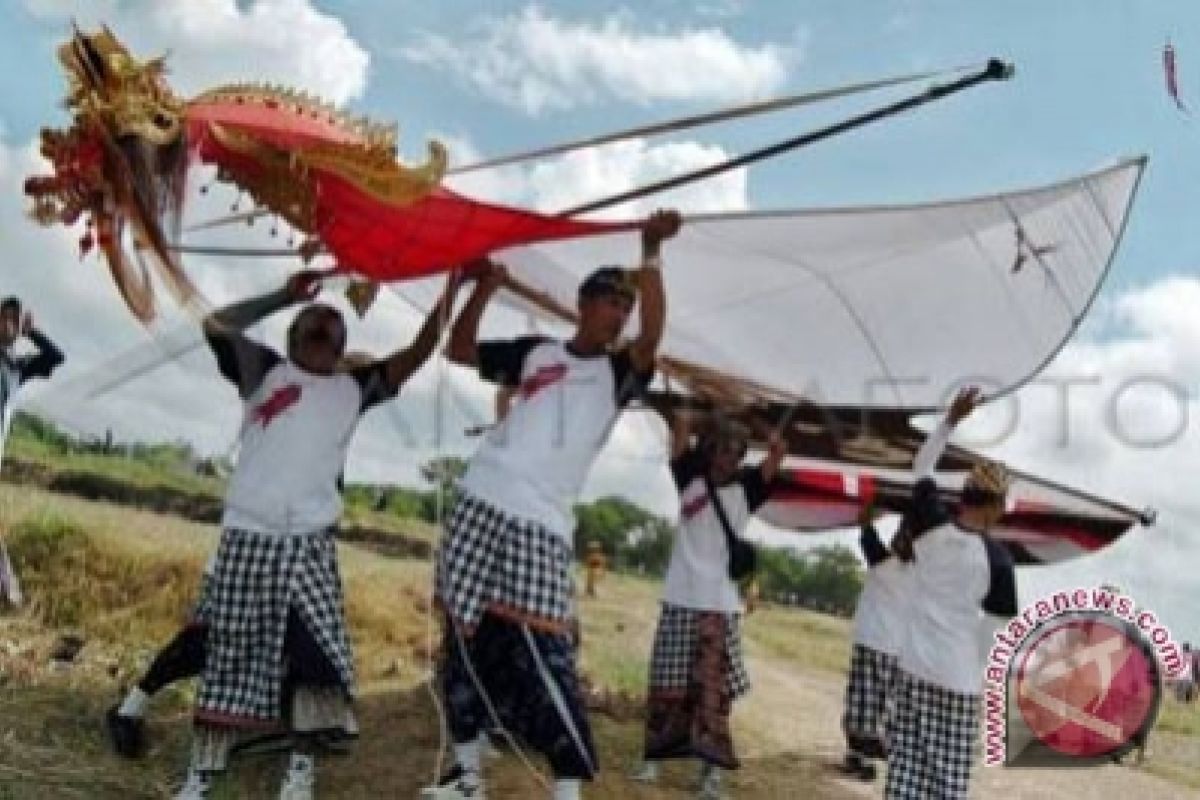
[123, 579]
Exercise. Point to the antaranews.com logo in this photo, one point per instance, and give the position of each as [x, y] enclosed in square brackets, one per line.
[1075, 679]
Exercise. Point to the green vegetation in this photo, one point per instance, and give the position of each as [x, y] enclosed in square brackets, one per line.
[171, 477]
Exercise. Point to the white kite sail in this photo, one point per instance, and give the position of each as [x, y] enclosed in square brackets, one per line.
[879, 307]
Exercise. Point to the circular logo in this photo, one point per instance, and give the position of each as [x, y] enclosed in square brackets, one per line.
[1088, 686]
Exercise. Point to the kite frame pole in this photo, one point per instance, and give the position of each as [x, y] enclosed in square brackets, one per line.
[707, 118]
[995, 70]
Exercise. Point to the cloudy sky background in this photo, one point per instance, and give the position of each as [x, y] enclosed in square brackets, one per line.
[496, 77]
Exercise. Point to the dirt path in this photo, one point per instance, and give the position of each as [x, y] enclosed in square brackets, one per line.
[796, 714]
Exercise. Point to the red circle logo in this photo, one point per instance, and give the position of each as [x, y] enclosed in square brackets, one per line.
[1087, 686]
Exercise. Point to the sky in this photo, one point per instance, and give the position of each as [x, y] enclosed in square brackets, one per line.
[491, 78]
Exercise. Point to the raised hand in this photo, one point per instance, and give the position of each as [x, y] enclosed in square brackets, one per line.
[658, 227]
[305, 285]
[966, 401]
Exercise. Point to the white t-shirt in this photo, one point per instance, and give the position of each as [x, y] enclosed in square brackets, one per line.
[698, 574]
[880, 618]
[296, 429]
[950, 579]
[533, 464]
[954, 577]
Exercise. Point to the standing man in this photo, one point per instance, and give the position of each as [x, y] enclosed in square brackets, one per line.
[957, 574]
[696, 668]
[504, 566]
[272, 608]
[14, 371]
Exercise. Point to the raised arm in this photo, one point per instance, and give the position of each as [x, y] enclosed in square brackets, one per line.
[47, 358]
[776, 452]
[925, 462]
[464, 335]
[242, 361]
[874, 551]
[661, 225]
[402, 364]
[927, 509]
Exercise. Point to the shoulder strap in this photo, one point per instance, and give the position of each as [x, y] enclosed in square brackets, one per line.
[715, 498]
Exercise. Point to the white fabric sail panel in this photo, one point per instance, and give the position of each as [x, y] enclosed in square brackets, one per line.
[882, 306]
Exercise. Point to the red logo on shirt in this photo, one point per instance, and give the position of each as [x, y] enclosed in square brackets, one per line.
[543, 378]
[695, 506]
[280, 401]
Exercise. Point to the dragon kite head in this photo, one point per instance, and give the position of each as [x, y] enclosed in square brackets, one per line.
[124, 96]
[122, 164]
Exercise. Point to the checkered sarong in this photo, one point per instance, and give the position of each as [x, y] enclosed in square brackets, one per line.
[673, 660]
[490, 561]
[932, 738]
[868, 700]
[257, 579]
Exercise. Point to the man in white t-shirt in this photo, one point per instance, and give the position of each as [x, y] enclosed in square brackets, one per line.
[956, 574]
[504, 566]
[880, 620]
[696, 668]
[14, 371]
[272, 607]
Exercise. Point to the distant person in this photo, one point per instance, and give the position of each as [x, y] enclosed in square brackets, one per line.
[957, 574]
[14, 371]
[596, 565]
[273, 610]
[697, 670]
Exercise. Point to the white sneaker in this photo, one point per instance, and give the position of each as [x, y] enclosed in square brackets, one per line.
[299, 781]
[647, 772]
[458, 784]
[196, 787]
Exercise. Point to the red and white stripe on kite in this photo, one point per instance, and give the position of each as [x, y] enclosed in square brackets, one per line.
[1045, 523]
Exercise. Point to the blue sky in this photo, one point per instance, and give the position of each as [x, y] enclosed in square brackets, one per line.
[501, 76]
[1089, 87]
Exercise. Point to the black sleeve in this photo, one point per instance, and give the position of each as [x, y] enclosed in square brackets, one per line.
[373, 383]
[927, 509]
[873, 550]
[1001, 598]
[630, 383]
[502, 361]
[44, 362]
[687, 467]
[244, 363]
[755, 486]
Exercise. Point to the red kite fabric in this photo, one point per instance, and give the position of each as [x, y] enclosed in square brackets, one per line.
[436, 233]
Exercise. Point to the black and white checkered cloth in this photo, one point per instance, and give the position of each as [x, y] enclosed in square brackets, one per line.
[256, 580]
[932, 738]
[490, 561]
[674, 654]
[869, 699]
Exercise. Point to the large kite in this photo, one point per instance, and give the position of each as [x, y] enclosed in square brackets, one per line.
[836, 325]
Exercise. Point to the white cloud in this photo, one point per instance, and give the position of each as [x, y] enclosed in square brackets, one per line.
[1129, 432]
[213, 42]
[575, 178]
[536, 62]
